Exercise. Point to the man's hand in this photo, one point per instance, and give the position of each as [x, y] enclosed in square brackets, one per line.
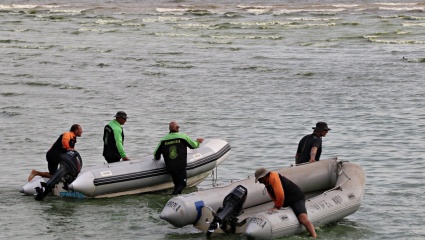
[126, 159]
[272, 210]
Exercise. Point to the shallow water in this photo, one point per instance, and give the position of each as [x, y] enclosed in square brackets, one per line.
[258, 75]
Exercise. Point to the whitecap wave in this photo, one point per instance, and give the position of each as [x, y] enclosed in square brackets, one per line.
[402, 8]
[413, 24]
[395, 4]
[165, 19]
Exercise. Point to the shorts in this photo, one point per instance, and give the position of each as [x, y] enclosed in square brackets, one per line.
[299, 207]
[112, 160]
[53, 161]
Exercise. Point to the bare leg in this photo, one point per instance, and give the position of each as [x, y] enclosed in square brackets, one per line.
[37, 173]
[303, 218]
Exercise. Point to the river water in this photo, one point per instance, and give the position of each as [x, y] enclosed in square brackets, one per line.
[258, 74]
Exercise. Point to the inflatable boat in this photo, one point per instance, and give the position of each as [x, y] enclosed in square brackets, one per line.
[333, 188]
[138, 176]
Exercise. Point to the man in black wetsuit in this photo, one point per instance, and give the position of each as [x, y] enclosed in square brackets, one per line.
[173, 148]
[310, 146]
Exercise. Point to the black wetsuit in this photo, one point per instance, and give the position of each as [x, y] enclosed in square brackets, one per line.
[173, 148]
[53, 156]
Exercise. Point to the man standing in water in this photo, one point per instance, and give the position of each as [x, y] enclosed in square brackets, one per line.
[173, 148]
[310, 146]
[65, 142]
[285, 193]
[113, 139]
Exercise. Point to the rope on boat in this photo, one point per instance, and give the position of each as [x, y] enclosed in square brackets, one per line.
[339, 187]
[214, 177]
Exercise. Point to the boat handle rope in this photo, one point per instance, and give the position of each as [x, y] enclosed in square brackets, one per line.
[214, 178]
[339, 187]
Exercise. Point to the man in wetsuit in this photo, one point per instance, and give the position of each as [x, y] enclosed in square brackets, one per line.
[285, 193]
[65, 142]
[113, 139]
[173, 148]
[310, 146]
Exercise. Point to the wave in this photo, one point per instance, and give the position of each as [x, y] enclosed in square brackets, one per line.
[312, 19]
[393, 41]
[10, 114]
[321, 11]
[166, 19]
[396, 4]
[413, 24]
[420, 9]
[100, 30]
[173, 64]
[269, 23]
[264, 37]
[11, 94]
[415, 60]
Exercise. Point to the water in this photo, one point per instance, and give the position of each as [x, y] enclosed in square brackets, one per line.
[257, 74]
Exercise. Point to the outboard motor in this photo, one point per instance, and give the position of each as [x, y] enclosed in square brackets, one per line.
[70, 167]
[226, 217]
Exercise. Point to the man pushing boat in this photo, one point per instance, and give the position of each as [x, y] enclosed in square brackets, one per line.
[285, 193]
[173, 148]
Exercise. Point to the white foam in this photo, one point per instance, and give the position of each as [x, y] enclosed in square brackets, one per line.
[314, 19]
[257, 11]
[96, 30]
[345, 5]
[413, 24]
[173, 11]
[176, 35]
[103, 21]
[166, 19]
[72, 12]
[254, 7]
[319, 10]
[271, 23]
[197, 26]
[321, 25]
[23, 6]
[396, 4]
[5, 7]
[402, 8]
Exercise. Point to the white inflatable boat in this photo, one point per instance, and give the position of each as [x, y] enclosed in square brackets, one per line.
[138, 176]
[334, 189]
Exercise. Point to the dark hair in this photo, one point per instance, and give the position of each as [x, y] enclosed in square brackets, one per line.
[74, 127]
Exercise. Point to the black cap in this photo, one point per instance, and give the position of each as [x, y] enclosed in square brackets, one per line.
[320, 126]
[121, 114]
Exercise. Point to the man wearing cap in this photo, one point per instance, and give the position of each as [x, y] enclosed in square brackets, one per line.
[113, 139]
[285, 193]
[310, 146]
[173, 148]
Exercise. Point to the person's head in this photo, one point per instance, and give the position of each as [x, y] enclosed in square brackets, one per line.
[321, 129]
[76, 129]
[260, 175]
[121, 117]
[174, 127]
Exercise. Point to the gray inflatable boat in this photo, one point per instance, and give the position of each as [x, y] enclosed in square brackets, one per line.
[334, 189]
[138, 176]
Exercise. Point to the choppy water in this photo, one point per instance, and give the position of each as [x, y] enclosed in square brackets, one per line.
[257, 74]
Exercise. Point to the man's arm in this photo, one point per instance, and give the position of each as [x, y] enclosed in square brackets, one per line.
[313, 153]
[278, 190]
[157, 152]
[66, 137]
[118, 142]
